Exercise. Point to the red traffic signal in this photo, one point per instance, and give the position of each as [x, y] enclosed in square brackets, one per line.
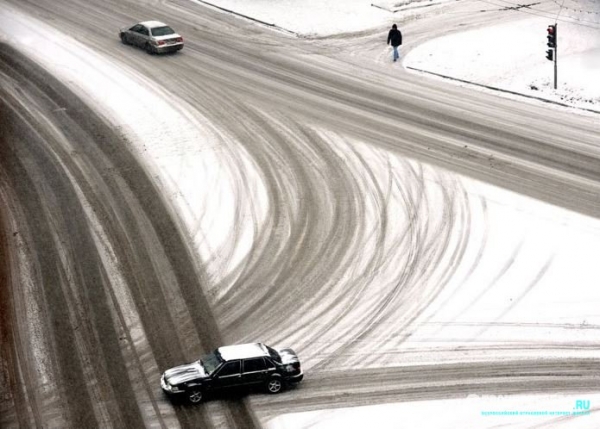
[551, 36]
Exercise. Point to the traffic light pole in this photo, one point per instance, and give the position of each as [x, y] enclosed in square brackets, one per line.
[556, 57]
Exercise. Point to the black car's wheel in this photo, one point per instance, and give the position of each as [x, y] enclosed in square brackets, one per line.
[148, 48]
[124, 39]
[195, 396]
[274, 385]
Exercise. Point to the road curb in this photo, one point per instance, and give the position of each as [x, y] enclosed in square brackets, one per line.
[407, 6]
[493, 88]
[241, 15]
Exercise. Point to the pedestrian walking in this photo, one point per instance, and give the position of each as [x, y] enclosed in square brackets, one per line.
[395, 38]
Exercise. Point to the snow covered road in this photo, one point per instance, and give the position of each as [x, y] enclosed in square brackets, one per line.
[254, 188]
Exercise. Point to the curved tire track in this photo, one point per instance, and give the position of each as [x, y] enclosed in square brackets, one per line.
[127, 203]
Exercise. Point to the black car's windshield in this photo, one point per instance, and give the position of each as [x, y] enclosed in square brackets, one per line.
[162, 31]
[274, 355]
[210, 362]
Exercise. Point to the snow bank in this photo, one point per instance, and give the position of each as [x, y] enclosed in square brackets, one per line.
[512, 57]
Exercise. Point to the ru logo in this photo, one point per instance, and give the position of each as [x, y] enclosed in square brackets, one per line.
[582, 405]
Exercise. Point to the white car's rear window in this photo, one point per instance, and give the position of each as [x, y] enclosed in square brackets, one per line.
[162, 31]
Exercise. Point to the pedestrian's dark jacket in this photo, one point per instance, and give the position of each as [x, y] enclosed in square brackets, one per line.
[395, 37]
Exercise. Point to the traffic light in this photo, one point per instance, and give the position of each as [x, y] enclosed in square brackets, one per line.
[552, 36]
[552, 52]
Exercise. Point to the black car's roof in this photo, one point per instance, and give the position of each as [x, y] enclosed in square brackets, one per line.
[242, 351]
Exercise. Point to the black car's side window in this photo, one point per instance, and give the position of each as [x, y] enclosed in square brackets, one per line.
[231, 368]
[254, 365]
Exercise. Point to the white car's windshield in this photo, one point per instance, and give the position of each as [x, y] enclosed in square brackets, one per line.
[162, 31]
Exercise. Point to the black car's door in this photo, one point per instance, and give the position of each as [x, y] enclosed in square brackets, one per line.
[229, 375]
[255, 371]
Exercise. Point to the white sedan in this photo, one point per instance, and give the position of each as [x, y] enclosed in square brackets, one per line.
[153, 36]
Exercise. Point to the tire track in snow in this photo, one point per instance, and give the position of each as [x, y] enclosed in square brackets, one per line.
[289, 235]
[70, 366]
[173, 252]
[16, 375]
[335, 389]
[375, 124]
[399, 307]
[522, 294]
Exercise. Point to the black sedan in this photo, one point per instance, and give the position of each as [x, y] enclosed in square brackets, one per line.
[233, 367]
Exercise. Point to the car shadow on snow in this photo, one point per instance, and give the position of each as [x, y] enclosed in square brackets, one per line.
[232, 395]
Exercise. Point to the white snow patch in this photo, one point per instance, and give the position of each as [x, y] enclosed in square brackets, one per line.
[311, 17]
[512, 57]
[481, 412]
